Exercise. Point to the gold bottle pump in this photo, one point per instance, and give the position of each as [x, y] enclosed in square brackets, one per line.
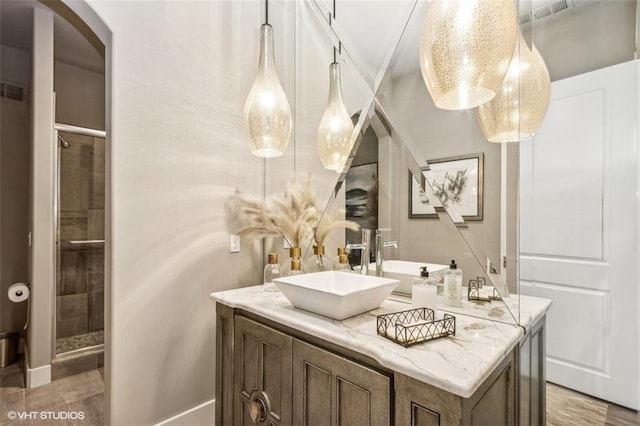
[295, 265]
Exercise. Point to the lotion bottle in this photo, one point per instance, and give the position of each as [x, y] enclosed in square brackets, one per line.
[425, 291]
[453, 286]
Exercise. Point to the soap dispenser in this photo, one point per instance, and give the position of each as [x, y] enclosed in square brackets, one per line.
[453, 286]
[425, 291]
[272, 269]
[319, 262]
[296, 268]
[343, 263]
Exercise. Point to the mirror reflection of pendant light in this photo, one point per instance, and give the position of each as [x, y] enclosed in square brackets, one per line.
[465, 50]
[336, 128]
[518, 109]
[267, 115]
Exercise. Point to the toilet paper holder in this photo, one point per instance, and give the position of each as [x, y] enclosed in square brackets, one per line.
[19, 292]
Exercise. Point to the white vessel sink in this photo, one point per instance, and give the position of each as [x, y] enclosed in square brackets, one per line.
[334, 294]
[404, 271]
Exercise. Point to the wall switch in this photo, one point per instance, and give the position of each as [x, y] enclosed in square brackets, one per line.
[234, 243]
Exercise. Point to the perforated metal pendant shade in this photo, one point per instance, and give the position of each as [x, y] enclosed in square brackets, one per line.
[521, 103]
[465, 50]
[267, 115]
[336, 128]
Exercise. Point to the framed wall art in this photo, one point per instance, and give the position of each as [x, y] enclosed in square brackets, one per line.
[422, 204]
[458, 184]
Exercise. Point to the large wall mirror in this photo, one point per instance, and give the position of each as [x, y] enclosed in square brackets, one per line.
[404, 145]
[552, 216]
[406, 151]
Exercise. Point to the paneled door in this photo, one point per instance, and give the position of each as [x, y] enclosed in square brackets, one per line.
[579, 231]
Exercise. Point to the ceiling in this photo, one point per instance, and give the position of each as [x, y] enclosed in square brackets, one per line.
[70, 46]
[373, 35]
[369, 29]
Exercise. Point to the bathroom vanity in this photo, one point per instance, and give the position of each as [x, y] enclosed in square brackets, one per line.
[277, 365]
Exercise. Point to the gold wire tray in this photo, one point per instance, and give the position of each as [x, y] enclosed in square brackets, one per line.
[414, 326]
[473, 291]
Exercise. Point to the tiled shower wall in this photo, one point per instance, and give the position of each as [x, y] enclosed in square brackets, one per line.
[80, 276]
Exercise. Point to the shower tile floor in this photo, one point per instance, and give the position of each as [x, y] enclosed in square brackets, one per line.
[81, 393]
[68, 344]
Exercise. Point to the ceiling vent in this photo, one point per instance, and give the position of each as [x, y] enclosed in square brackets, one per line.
[544, 11]
[12, 92]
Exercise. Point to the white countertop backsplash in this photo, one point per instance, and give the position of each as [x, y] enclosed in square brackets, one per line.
[458, 364]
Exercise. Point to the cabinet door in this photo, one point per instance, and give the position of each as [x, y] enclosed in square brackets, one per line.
[263, 375]
[331, 390]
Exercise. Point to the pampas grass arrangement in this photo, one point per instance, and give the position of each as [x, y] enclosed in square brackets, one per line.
[249, 217]
[295, 213]
[292, 216]
[328, 222]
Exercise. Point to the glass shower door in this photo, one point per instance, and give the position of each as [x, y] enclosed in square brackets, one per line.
[80, 242]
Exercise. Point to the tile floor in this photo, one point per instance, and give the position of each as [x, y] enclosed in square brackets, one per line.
[72, 343]
[84, 393]
[60, 403]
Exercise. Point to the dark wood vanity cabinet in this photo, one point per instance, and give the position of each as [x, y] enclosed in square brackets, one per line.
[280, 380]
[493, 404]
[269, 374]
[532, 385]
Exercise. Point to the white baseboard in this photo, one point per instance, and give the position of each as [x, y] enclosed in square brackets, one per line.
[201, 415]
[37, 376]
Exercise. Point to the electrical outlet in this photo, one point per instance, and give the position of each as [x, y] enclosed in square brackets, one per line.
[234, 243]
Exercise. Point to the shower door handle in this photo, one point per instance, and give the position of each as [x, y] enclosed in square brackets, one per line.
[84, 242]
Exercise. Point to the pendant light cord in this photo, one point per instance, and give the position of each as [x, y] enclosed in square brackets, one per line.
[266, 12]
[339, 50]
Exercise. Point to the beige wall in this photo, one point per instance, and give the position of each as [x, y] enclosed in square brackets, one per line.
[14, 187]
[437, 134]
[593, 37]
[80, 97]
[177, 151]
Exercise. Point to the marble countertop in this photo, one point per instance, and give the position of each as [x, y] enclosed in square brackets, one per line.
[526, 309]
[458, 364]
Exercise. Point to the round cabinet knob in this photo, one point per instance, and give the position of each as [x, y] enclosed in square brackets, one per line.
[257, 407]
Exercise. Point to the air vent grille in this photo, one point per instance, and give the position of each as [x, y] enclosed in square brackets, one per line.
[545, 11]
[12, 91]
[524, 19]
[559, 6]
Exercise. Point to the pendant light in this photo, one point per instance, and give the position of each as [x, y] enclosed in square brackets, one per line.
[465, 50]
[336, 128]
[518, 109]
[267, 116]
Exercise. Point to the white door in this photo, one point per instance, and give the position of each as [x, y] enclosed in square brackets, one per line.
[579, 230]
